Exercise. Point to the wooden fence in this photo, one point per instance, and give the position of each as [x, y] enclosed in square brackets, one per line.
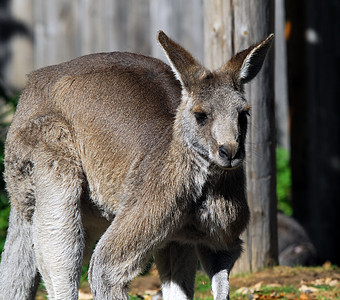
[64, 29]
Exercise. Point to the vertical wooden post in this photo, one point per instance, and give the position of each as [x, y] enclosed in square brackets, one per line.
[231, 26]
[281, 84]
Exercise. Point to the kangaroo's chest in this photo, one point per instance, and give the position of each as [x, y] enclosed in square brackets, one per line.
[215, 219]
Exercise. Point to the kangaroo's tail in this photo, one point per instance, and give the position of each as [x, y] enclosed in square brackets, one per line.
[19, 276]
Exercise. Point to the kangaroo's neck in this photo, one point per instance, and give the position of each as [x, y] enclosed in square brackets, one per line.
[187, 167]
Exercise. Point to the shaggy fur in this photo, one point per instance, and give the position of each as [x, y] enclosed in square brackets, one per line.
[147, 160]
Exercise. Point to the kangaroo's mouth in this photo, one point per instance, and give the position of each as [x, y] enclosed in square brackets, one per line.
[230, 164]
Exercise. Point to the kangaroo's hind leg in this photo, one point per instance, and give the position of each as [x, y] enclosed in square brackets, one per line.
[58, 233]
[217, 264]
[57, 178]
[19, 277]
[176, 264]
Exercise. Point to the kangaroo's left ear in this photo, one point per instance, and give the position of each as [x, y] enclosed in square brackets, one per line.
[245, 65]
[186, 68]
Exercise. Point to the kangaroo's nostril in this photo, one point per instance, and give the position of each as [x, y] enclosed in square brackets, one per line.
[223, 152]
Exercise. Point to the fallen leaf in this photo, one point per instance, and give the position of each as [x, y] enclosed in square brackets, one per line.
[84, 296]
[308, 289]
[242, 290]
[323, 281]
[334, 282]
[303, 296]
[151, 292]
[319, 281]
[328, 280]
[257, 286]
[327, 265]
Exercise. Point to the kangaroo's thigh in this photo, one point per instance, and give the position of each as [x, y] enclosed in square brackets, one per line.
[176, 264]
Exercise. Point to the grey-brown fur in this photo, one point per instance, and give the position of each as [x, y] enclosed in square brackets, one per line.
[114, 147]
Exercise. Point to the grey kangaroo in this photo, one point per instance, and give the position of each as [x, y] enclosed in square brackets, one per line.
[143, 158]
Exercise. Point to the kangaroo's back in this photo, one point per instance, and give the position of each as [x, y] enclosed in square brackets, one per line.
[118, 107]
[122, 88]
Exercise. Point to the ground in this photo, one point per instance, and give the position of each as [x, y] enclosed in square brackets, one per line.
[280, 282]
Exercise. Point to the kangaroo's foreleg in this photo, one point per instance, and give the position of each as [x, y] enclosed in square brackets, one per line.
[218, 264]
[124, 249]
[176, 264]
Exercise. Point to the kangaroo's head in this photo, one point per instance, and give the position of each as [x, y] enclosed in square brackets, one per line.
[212, 116]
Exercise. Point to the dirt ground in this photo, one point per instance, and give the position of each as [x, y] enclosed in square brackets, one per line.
[301, 283]
[287, 276]
[281, 282]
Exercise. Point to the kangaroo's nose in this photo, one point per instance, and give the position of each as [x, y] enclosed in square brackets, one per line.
[224, 153]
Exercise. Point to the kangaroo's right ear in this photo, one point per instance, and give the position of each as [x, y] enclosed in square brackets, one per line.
[185, 67]
[246, 64]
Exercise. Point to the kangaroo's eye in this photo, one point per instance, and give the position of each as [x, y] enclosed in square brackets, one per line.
[201, 117]
[244, 114]
[246, 111]
[243, 120]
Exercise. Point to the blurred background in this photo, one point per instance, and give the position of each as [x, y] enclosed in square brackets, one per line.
[37, 33]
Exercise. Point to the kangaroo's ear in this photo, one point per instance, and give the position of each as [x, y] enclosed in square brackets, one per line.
[185, 67]
[246, 64]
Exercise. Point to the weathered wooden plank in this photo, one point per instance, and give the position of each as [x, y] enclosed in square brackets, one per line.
[54, 32]
[20, 45]
[218, 33]
[182, 21]
[281, 85]
[128, 26]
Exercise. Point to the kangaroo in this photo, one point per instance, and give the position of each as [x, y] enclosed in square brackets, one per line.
[143, 158]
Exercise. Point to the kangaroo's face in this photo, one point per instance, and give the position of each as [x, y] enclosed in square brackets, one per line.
[213, 113]
[215, 124]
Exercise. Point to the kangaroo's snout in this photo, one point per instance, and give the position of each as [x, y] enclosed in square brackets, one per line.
[224, 153]
[229, 156]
